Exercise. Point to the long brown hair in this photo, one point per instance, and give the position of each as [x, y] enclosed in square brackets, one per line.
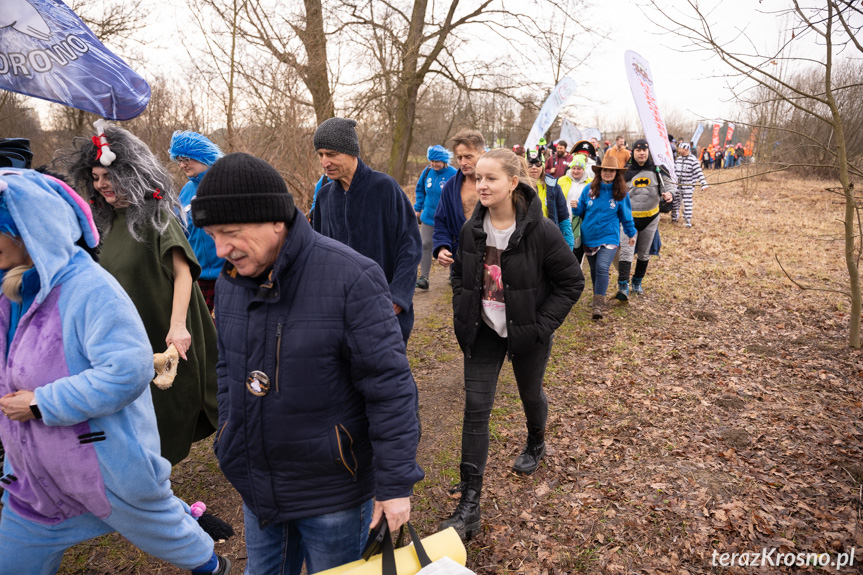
[619, 188]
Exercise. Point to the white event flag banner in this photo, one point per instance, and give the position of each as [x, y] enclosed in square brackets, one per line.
[641, 83]
[549, 111]
[569, 133]
[697, 134]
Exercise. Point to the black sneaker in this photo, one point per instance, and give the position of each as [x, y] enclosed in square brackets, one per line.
[423, 283]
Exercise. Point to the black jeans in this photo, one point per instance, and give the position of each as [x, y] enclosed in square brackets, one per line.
[481, 371]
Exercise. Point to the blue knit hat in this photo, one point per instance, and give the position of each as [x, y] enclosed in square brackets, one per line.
[194, 146]
[439, 154]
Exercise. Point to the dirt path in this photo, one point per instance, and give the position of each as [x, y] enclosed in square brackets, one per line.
[719, 413]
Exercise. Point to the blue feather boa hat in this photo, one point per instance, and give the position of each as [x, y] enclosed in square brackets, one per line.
[439, 154]
[194, 146]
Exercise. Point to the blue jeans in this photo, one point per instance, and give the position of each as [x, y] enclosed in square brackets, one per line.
[599, 264]
[323, 541]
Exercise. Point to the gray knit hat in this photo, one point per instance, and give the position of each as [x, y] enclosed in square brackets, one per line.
[339, 135]
[242, 189]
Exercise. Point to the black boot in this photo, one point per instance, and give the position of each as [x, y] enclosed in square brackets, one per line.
[534, 451]
[466, 517]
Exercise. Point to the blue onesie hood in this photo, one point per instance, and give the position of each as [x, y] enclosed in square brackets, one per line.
[50, 217]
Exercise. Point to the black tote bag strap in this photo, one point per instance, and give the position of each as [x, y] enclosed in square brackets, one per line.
[418, 545]
[388, 554]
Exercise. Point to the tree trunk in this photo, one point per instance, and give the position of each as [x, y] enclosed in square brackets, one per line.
[315, 74]
[409, 84]
[847, 188]
[850, 234]
[230, 144]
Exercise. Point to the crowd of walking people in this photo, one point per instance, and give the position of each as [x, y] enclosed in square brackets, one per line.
[291, 329]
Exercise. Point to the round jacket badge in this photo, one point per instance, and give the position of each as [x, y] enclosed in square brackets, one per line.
[258, 383]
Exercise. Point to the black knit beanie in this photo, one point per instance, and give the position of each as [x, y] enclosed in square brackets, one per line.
[339, 135]
[242, 189]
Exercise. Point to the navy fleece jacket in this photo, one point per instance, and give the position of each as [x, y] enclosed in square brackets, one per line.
[376, 218]
[449, 216]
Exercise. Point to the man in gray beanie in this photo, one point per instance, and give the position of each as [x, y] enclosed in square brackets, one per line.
[317, 430]
[368, 211]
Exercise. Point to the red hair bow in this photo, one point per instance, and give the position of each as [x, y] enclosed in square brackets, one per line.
[97, 140]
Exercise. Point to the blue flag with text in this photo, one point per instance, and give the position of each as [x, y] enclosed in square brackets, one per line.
[46, 51]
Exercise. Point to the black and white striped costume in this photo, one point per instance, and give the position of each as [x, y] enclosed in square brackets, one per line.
[688, 175]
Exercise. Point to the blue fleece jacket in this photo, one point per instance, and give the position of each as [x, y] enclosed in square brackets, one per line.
[603, 216]
[428, 191]
[375, 217]
[202, 244]
[449, 216]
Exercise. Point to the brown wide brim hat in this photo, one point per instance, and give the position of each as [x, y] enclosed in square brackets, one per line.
[608, 163]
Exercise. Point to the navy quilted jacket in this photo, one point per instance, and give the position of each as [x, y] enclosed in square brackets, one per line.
[339, 424]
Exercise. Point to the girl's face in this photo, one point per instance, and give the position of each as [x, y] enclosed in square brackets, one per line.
[102, 184]
[535, 171]
[608, 175]
[12, 252]
[492, 184]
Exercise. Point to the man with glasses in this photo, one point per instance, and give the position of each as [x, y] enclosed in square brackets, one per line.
[194, 154]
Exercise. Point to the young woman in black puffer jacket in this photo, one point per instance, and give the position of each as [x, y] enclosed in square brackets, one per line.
[514, 282]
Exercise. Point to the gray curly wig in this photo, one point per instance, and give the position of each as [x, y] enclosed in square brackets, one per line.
[137, 176]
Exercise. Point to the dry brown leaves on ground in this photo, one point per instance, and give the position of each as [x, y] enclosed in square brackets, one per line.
[718, 413]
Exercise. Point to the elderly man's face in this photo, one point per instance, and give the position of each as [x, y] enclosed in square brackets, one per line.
[336, 164]
[252, 248]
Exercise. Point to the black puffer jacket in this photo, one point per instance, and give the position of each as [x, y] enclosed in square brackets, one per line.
[541, 277]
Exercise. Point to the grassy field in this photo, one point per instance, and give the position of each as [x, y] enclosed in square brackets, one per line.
[719, 412]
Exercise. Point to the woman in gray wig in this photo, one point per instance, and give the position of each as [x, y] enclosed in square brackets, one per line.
[135, 207]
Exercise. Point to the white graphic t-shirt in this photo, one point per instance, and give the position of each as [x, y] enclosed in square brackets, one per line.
[493, 306]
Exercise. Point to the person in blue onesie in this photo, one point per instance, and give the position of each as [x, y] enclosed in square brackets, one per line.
[76, 414]
[194, 154]
[428, 191]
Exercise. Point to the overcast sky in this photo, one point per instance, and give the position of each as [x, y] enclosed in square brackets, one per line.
[693, 82]
[686, 81]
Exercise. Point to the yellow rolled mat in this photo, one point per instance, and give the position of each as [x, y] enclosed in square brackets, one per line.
[445, 543]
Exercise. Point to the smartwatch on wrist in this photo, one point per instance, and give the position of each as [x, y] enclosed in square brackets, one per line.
[35, 409]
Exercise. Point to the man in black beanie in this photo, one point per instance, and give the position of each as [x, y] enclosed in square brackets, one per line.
[368, 211]
[317, 424]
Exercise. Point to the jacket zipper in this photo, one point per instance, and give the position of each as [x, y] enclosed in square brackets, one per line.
[278, 353]
[344, 461]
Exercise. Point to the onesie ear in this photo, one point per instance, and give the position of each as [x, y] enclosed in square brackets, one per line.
[82, 210]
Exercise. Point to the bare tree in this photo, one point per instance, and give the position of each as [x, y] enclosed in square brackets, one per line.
[833, 26]
[219, 24]
[278, 35]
